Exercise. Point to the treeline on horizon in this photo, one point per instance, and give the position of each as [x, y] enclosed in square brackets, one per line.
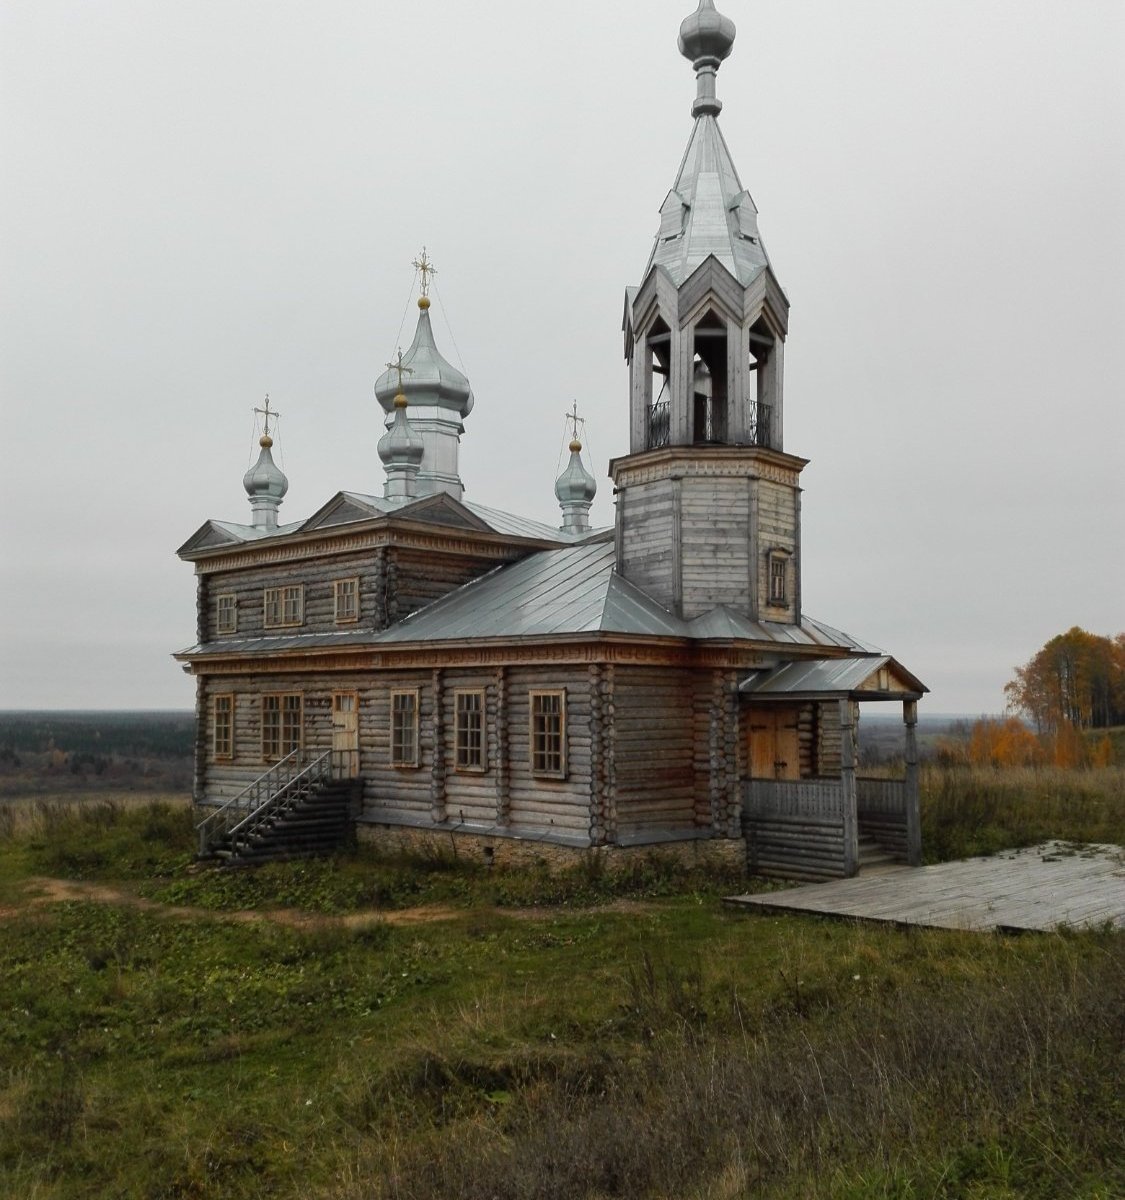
[103, 735]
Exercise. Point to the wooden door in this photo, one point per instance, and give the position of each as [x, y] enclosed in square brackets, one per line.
[345, 734]
[775, 750]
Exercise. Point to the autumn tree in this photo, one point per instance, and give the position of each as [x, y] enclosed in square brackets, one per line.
[1076, 681]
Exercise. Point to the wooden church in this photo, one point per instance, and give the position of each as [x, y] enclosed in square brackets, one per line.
[413, 665]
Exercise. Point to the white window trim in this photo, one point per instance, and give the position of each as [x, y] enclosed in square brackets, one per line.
[336, 586]
[405, 764]
[546, 773]
[480, 768]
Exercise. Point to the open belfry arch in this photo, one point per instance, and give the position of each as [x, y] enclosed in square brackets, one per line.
[412, 664]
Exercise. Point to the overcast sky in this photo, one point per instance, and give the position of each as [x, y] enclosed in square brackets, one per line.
[206, 201]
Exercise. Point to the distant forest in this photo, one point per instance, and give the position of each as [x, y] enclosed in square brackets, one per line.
[64, 751]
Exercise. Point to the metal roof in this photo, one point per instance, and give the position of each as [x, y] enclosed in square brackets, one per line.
[832, 677]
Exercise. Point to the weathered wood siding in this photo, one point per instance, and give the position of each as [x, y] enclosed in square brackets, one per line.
[394, 581]
[794, 830]
[715, 515]
[646, 513]
[655, 720]
[777, 521]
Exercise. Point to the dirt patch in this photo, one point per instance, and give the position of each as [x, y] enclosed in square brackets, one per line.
[43, 890]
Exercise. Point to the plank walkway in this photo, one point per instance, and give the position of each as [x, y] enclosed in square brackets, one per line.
[1042, 887]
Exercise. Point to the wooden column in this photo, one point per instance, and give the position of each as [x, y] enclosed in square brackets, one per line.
[851, 825]
[503, 765]
[913, 806]
[437, 769]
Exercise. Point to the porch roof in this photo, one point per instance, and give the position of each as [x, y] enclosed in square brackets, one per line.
[857, 677]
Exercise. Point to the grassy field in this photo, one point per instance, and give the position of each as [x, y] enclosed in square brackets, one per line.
[367, 1029]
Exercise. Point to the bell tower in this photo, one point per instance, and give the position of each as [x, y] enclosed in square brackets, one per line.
[708, 502]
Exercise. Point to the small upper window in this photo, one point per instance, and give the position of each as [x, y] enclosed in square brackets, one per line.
[347, 600]
[284, 605]
[227, 617]
[778, 578]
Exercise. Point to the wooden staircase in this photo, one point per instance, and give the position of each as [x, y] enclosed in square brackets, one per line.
[872, 854]
[297, 809]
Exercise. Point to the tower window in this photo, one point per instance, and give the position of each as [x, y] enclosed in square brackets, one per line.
[658, 412]
[709, 384]
[778, 566]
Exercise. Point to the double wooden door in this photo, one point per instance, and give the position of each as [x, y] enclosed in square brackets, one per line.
[774, 750]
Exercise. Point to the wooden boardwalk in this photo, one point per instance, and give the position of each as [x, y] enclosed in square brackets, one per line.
[1043, 887]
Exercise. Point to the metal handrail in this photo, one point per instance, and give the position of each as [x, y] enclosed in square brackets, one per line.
[285, 782]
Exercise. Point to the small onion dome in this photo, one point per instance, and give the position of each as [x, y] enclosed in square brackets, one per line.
[575, 485]
[706, 34]
[265, 480]
[432, 381]
[400, 446]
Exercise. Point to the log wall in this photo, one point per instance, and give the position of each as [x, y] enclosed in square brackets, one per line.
[794, 830]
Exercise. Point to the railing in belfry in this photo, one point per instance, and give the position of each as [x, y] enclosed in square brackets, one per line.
[287, 781]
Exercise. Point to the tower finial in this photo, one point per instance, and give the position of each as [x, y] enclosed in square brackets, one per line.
[706, 38]
[575, 488]
[425, 269]
[265, 482]
[575, 421]
[400, 369]
[267, 412]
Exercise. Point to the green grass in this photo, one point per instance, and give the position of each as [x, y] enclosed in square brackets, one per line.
[671, 1049]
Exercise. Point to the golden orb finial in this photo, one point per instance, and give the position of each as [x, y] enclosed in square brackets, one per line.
[401, 401]
[265, 441]
[575, 446]
[423, 302]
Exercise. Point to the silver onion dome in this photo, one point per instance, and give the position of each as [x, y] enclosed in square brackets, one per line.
[400, 445]
[706, 34]
[429, 379]
[575, 489]
[266, 485]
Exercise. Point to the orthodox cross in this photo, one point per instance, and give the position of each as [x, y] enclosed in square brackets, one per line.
[425, 268]
[397, 366]
[267, 413]
[575, 420]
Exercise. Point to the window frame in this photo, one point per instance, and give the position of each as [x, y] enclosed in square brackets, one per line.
[399, 761]
[226, 602]
[777, 568]
[465, 760]
[217, 701]
[337, 592]
[275, 746]
[283, 595]
[540, 756]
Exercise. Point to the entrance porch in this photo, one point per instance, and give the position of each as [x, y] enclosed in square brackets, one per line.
[807, 813]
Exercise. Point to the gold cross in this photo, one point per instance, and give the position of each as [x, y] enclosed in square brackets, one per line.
[265, 412]
[397, 366]
[425, 268]
[575, 420]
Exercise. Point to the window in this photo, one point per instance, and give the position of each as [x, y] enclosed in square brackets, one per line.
[227, 620]
[778, 578]
[404, 729]
[281, 725]
[347, 600]
[222, 727]
[548, 734]
[469, 731]
[284, 605]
